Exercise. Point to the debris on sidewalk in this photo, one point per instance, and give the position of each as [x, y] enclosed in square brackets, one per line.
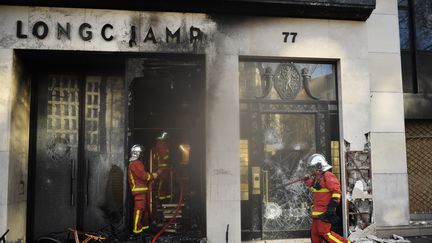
[359, 187]
[368, 235]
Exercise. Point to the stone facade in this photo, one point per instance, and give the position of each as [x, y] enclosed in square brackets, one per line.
[370, 91]
[389, 169]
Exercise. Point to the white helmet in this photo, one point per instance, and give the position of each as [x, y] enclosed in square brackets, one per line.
[163, 136]
[319, 162]
[136, 152]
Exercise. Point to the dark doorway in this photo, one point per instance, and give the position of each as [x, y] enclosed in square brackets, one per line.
[167, 95]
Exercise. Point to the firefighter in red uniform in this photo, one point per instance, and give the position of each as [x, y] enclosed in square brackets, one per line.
[161, 161]
[139, 180]
[326, 197]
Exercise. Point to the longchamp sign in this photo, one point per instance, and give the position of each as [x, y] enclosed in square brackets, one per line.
[40, 30]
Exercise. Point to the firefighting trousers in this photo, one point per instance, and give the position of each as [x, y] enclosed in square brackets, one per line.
[140, 219]
[321, 231]
[164, 188]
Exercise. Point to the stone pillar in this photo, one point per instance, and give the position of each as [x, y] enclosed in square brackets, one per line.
[6, 69]
[388, 150]
[14, 130]
[222, 148]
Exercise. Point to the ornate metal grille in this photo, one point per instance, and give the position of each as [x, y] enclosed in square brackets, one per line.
[419, 159]
[62, 108]
[92, 112]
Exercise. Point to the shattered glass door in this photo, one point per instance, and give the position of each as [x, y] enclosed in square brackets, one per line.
[79, 159]
[288, 140]
[288, 111]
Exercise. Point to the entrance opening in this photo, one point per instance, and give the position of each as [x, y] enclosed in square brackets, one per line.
[166, 103]
[87, 111]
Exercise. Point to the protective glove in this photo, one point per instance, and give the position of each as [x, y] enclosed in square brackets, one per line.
[330, 215]
[331, 207]
[316, 184]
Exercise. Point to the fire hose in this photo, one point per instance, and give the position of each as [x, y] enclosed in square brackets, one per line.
[293, 181]
[176, 211]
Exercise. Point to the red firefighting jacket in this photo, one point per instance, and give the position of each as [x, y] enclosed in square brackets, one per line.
[161, 154]
[138, 177]
[330, 188]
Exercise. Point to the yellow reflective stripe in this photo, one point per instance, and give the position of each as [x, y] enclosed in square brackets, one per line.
[136, 189]
[148, 176]
[132, 180]
[317, 213]
[336, 195]
[164, 197]
[139, 189]
[333, 238]
[166, 157]
[320, 190]
[162, 165]
[136, 231]
[160, 189]
[160, 186]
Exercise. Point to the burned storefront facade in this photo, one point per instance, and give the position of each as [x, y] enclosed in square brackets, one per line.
[245, 100]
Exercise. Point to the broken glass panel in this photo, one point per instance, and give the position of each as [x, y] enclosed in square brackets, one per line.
[287, 110]
[288, 140]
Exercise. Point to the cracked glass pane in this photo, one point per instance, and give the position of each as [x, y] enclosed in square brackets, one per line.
[288, 140]
[288, 111]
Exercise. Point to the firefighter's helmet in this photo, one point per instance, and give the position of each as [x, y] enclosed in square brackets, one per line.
[137, 152]
[318, 162]
[163, 136]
